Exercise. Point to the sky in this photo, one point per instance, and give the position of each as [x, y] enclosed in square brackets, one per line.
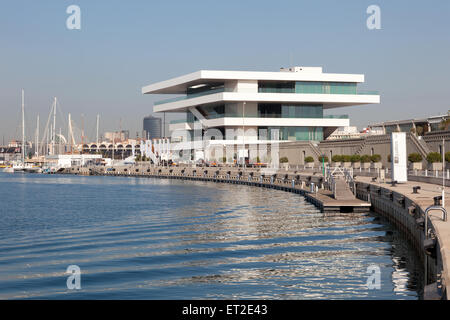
[125, 45]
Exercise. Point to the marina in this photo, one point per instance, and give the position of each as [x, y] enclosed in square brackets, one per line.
[133, 240]
[205, 155]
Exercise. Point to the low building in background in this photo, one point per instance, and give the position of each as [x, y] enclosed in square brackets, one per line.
[117, 136]
[419, 126]
[345, 133]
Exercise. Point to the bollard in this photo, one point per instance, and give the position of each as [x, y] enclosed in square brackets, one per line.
[437, 200]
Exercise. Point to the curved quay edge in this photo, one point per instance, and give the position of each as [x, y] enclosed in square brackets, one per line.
[400, 208]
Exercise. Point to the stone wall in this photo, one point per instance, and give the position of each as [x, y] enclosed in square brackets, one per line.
[296, 151]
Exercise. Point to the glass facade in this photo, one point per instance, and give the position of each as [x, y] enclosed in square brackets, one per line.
[325, 87]
[266, 110]
[277, 87]
[291, 133]
[318, 87]
[308, 87]
[212, 112]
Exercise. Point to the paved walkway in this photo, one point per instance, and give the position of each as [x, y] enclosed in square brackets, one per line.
[424, 198]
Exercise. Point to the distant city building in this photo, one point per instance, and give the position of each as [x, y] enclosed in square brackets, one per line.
[8, 153]
[152, 127]
[118, 136]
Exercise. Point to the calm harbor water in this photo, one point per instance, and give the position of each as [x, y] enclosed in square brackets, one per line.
[140, 238]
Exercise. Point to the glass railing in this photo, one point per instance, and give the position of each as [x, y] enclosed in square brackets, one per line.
[190, 96]
[336, 116]
[272, 116]
[260, 90]
[276, 90]
[368, 93]
[178, 121]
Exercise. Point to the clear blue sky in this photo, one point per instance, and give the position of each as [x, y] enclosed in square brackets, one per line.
[124, 45]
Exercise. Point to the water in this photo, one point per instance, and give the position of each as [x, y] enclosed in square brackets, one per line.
[140, 238]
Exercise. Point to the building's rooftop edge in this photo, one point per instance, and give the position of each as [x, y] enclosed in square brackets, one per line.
[178, 85]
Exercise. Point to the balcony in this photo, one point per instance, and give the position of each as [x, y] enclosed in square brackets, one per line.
[190, 96]
[260, 90]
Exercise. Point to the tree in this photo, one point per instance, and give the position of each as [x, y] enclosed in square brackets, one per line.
[365, 158]
[444, 124]
[309, 159]
[336, 158]
[323, 159]
[414, 157]
[346, 158]
[419, 130]
[284, 160]
[433, 157]
[355, 158]
[447, 156]
[375, 158]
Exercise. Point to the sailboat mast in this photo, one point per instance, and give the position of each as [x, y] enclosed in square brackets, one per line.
[23, 127]
[37, 137]
[59, 141]
[70, 135]
[82, 133]
[54, 127]
[98, 123]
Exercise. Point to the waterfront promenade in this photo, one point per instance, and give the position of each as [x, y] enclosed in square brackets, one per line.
[397, 202]
[424, 198]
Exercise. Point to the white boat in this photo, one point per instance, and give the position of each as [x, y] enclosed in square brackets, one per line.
[8, 170]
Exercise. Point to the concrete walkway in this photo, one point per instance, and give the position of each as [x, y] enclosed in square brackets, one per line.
[424, 199]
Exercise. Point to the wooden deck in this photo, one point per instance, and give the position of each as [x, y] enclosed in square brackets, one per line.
[324, 200]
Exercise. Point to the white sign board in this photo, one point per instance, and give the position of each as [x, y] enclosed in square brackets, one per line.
[199, 155]
[242, 153]
[399, 162]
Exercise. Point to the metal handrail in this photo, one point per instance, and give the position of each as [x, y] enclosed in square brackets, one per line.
[444, 216]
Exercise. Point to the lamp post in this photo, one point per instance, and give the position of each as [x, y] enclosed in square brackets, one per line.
[323, 165]
[243, 136]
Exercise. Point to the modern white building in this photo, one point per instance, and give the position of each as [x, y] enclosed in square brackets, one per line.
[69, 160]
[251, 107]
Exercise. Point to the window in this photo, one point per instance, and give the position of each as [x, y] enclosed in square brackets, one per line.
[325, 87]
[289, 111]
[295, 133]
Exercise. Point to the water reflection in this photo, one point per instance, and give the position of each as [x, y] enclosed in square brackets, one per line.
[163, 239]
